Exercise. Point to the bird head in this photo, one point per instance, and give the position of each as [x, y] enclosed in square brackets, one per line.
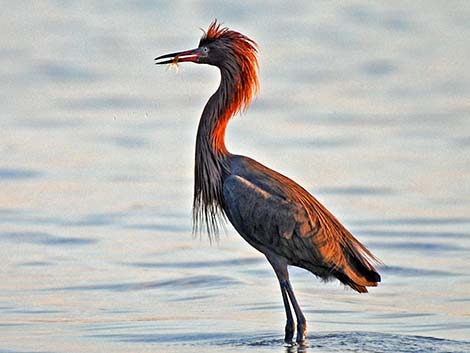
[219, 46]
[232, 52]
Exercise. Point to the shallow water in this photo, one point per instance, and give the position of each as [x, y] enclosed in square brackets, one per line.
[366, 105]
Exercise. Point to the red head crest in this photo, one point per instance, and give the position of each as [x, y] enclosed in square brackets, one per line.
[243, 51]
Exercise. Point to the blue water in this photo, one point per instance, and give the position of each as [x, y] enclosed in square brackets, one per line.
[365, 104]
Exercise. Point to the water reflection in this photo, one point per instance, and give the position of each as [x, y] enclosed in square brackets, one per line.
[350, 341]
[296, 348]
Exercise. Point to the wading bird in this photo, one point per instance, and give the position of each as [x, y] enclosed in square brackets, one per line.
[271, 212]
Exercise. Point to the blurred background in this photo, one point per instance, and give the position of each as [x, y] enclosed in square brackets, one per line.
[366, 104]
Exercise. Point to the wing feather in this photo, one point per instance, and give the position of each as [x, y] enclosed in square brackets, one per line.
[268, 221]
[297, 228]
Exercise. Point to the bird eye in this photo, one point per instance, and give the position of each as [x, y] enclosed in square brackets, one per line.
[205, 50]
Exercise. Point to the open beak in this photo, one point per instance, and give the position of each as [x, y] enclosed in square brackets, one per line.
[183, 56]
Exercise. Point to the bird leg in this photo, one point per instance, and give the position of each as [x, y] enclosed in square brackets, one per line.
[279, 265]
[290, 325]
[301, 321]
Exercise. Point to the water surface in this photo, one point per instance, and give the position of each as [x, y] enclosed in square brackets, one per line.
[366, 105]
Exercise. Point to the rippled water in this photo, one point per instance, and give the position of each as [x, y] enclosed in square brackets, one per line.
[366, 105]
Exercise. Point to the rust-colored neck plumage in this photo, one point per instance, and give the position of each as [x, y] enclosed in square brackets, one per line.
[238, 84]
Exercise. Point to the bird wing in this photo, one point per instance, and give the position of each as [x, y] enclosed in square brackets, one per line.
[299, 229]
[268, 221]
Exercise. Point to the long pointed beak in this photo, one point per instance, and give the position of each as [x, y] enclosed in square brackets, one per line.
[182, 56]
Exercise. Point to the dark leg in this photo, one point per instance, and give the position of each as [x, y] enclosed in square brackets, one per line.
[279, 265]
[301, 322]
[290, 325]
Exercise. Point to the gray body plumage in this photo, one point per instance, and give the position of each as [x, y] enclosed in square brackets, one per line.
[281, 219]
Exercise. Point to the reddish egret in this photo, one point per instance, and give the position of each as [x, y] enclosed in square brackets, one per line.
[271, 212]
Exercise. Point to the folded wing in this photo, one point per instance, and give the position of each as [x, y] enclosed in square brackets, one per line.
[299, 229]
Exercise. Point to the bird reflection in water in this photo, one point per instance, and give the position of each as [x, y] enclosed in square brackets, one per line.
[296, 348]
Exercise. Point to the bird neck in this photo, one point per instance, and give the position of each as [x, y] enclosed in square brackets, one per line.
[215, 117]
[211, 164]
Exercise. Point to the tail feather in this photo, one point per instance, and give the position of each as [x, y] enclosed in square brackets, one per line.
[359, 273]
[364, 269]
[349, 282]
